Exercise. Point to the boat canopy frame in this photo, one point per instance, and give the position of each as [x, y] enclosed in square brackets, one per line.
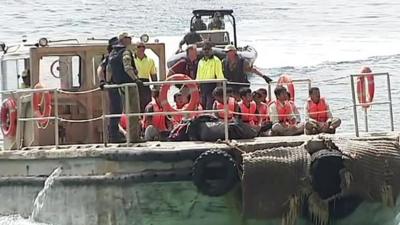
[211, 12]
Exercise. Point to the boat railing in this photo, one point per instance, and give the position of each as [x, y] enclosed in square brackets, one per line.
[105, 116]
[355, 105]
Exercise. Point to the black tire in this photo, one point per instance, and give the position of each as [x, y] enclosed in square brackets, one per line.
[325, 172]
[215, 173]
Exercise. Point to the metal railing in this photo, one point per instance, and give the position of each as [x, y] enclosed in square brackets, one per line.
[105, 116]
[355, 105]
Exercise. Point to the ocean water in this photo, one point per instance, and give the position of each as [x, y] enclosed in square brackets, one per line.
[324, 41]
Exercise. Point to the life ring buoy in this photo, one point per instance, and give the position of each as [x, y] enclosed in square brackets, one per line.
[40, 99]
[215, 173]
[365, 87]
[194, 94]
[287, 82]
[9, 117]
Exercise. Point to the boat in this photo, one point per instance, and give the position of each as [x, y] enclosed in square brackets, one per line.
[220, 38]
[59, 133]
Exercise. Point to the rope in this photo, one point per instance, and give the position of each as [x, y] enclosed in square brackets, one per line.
[78, 92]
[81, 121]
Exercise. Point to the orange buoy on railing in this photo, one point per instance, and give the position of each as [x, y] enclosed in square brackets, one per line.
[287, 82]
[365, 87]
[9, 117]
[41, 105]
[194, 94]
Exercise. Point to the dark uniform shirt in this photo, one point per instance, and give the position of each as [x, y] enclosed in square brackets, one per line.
[191, 38]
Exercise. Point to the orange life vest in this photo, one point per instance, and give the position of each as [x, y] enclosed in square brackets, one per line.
[263, 110]
[178, 117]
[251, 110]
[159, 121]
[284, 111]
[318, 111]
[231, 107]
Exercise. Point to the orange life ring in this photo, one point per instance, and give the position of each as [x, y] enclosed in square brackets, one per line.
[194, 94]
[39, 99]
[9, 117]
[287, 82]
[365, 87]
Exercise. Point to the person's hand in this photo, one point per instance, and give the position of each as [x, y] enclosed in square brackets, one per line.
[139, 83]
[102, 83]
[266, 78]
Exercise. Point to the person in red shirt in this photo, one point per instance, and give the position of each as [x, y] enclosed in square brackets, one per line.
[318, 115]
[186, 65]
[157, 127]
[282, 116]
[263, 118]
[218, 95]
[248, 107]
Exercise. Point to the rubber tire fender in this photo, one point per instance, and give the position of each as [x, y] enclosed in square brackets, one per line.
[224, 175]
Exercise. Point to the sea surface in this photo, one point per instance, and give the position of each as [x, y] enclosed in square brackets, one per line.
[324, 41]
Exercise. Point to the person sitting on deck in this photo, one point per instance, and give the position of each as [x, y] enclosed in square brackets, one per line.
[180, 101]
[198, 24]
[248, 107]
[318, 115]
[217, 22]
[218, 95]
[235, 69]
[282, 117]
[157, 127]
[263, 118]
[264, 94]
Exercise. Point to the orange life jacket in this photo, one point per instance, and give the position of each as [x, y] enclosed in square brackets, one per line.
[159, 121]
[251, 110]
[318, 111]
[178, 117]
[231, 107]
[285, 111]
[263, 110]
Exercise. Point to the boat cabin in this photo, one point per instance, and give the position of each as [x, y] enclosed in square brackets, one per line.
[220, 37]
[63, 103]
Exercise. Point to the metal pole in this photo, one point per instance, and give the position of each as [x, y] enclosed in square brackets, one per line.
[18, 135]
[56, 125]
[309, 84]
[105, 130]
[390, 101]
[127, 111]
[269, 92]
[366, 119]
[226, 111]
[354, 106]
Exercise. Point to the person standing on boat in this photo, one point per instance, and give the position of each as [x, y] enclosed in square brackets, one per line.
[281, 114]
[114, 96]
[157, 127]
[209, 68]
[190, 38]
[188, 64]
[318, 116]
[122, 65]
[146, 70]
[198, 24]
[26, 79]
[217, 22]
[235, 69]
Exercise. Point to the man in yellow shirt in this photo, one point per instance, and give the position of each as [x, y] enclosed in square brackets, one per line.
[209, 68]
[146, 70]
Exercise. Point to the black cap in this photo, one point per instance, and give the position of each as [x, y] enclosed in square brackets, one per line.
[113, 41]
